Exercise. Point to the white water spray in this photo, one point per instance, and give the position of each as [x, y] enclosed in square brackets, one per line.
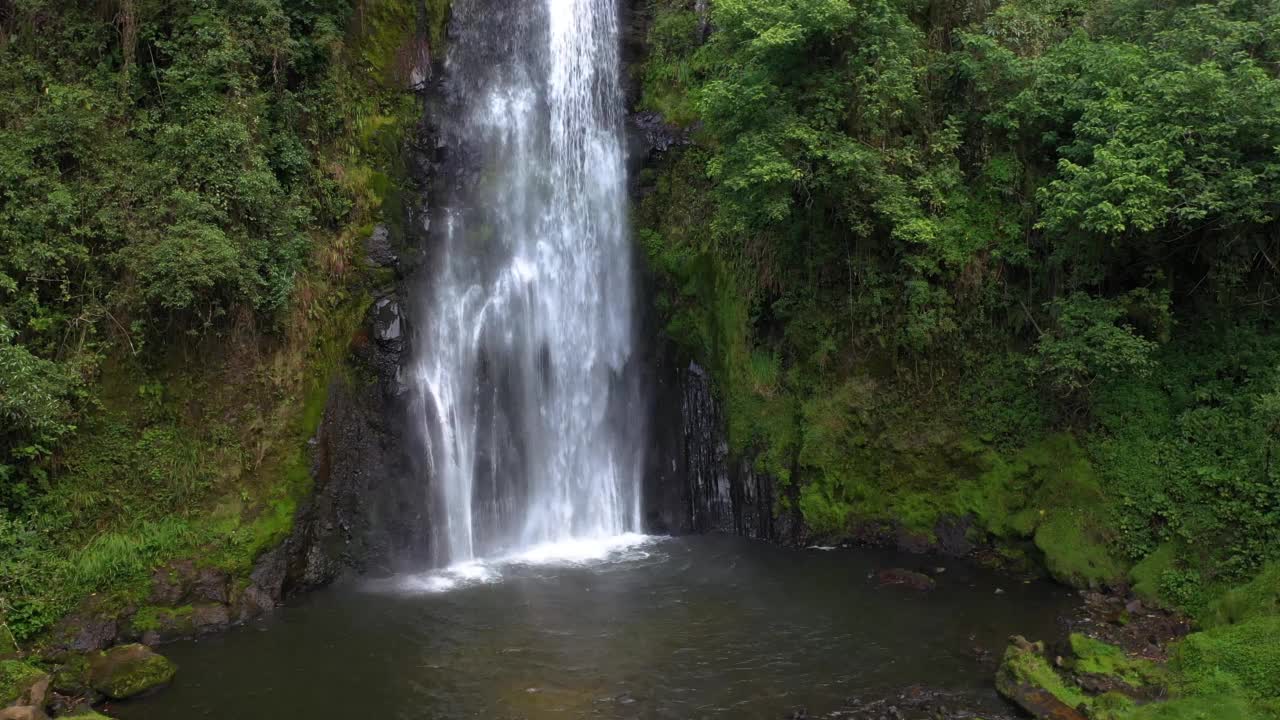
[529, 299]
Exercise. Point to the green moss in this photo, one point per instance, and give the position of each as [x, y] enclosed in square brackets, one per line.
[823, 514]
[1243, 659]
[1072, 553]
[16, 678]
[1098, 658]
[152, 617]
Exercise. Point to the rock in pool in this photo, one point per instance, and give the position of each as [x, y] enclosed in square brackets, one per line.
[129, 670]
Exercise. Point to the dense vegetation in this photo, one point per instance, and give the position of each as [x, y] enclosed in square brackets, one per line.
[183, 190]
[1012, 262]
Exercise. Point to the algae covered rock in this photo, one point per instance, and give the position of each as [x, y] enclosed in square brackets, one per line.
[905, 578]
[129, 670]
[22, 684]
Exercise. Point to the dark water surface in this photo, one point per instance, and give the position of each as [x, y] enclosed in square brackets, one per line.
[701, 627]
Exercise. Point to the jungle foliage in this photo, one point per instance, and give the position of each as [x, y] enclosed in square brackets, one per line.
[918, 242]
[183, 191]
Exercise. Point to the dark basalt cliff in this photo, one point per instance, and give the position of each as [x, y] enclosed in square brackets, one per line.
[694, 484]
[370, 507]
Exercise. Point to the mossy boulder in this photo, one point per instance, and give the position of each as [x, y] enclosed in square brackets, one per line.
[22, 684]
[85, 715]
[129, 670]
[1028, 680]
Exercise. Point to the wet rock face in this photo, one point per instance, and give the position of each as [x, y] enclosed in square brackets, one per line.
[694, 484]
[368, 509]
[379, 250]
[367, 502]
[703, 9]
[390, 332]
[653, 135]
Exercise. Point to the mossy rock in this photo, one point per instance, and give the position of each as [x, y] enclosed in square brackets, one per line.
[22, 684]
[85, 715]
[1028, 680]
[129, 670]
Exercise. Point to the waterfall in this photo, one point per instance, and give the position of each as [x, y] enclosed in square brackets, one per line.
[527, 299]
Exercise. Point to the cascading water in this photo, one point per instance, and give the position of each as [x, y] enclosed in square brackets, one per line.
[529, 298]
